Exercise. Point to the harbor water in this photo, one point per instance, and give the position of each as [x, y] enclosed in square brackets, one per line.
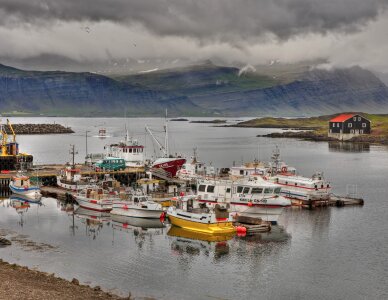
[328, 253]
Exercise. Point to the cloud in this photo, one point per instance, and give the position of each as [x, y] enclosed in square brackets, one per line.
[245, 31]
[226, 20]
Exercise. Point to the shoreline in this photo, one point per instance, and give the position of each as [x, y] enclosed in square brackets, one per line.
[20, 282]
[312, 136]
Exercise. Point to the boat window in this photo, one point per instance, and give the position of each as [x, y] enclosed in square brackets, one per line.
[239, 189]
[210, 188]
[246, 190]
[202, 188]
[257, 190]
[268, 191]
[228, 190]
[277, 191]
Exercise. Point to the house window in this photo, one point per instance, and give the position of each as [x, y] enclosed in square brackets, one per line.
[359, 118]
[361, 131]
[351, 131]
[363, 125]
[354, 119]
[333, 124]
[350, 125]
[338, 125]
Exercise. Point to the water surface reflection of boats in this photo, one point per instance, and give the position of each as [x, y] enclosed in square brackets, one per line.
[193, 243]
[133, 222]
[277, 234]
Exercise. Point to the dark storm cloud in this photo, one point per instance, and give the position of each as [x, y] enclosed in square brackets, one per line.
[222, 19]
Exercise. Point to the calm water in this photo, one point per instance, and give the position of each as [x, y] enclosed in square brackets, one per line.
[335, 253]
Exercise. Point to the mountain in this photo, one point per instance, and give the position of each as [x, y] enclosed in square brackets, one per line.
[82, 94]
[200, 90]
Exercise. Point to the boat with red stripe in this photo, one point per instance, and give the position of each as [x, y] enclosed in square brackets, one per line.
[96, 199]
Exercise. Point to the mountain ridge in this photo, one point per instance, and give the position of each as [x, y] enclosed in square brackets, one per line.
[200, 90]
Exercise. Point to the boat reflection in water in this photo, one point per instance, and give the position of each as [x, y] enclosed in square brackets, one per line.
[21, 204]
[124, 222]
[94, 220]
[277, 234]
[194, 243]
[142, 229]
[348, 147]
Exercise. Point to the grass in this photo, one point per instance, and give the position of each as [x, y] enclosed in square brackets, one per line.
[318, 124]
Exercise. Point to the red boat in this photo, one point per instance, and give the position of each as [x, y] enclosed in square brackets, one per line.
[170, 165]
[166, 161]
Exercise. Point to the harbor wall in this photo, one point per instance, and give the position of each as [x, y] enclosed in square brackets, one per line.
[38, 129]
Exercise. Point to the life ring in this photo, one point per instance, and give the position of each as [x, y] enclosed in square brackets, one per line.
[284, 169]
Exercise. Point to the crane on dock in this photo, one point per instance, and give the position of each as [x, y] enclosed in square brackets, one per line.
[10, 157]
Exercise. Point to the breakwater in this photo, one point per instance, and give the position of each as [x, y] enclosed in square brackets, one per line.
[38, 129]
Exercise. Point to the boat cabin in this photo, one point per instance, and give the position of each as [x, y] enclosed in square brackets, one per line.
[316, 182]
[21, 181]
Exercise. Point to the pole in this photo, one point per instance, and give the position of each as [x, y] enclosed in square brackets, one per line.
[86, 137]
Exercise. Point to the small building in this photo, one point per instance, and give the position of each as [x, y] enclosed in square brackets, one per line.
[347, 126]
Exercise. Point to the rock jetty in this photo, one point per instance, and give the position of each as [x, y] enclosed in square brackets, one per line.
[38, 129]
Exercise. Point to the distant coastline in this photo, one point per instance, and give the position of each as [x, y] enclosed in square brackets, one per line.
[316, 128]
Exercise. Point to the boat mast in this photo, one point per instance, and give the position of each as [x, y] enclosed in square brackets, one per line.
[161, 147]
[166, 136]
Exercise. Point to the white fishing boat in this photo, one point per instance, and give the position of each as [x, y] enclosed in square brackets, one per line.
[169, 163]
[71, 179]
[195, 169]
[21, 185]
[251, 197]
[204, 220]
[95, 199]
[137, 206]
[302, 190]
[128, 149]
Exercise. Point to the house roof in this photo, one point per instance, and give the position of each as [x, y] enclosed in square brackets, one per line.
[342, 118]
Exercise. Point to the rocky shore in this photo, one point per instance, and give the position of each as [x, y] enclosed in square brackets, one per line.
[38, 129]
[313, 136]
[19, 282]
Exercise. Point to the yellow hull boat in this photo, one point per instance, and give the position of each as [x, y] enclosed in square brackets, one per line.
[207, 228]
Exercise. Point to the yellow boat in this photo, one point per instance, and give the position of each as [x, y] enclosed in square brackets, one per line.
[217, 221]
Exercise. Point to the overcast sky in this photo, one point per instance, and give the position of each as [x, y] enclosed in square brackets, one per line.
[345, 32]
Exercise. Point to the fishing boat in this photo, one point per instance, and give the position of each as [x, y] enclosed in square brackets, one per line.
[251, 197]
[204, 220]
[128, 149]
[195, 169]
[95, 199]
[302, 190]
[102, 133]
[71, 179]
[137, 206]
[169, 163]
[21, 185]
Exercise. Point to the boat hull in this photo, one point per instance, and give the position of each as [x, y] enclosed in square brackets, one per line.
[170, 165]
[207, 228]
[137, 212]
[271, 214]
[96, 205]
[31, 192]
